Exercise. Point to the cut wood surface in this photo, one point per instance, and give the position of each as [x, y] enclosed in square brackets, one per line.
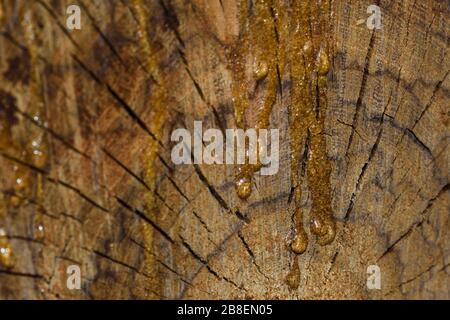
[87, 179]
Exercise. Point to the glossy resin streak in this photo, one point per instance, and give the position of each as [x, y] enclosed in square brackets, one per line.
[158, 105]
[37, 147]
[311, 48]
[6, 253]
[274, 38]
[258, 45]
[30, 147]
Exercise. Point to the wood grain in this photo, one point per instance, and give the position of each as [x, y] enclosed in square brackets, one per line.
[109, 199]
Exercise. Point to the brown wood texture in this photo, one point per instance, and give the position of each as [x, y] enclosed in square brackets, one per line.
[106, 196]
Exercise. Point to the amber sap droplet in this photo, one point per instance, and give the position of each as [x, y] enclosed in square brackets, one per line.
[15, 201]
[293, 277]
[260, 70]
[38, 226]
[21, 182]
[20, 187]
[324, 229]
[300, 242]
[6, 254]
[307, 48]
[40, 232]
[39, 152]
[244, 187]
[323, 63]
